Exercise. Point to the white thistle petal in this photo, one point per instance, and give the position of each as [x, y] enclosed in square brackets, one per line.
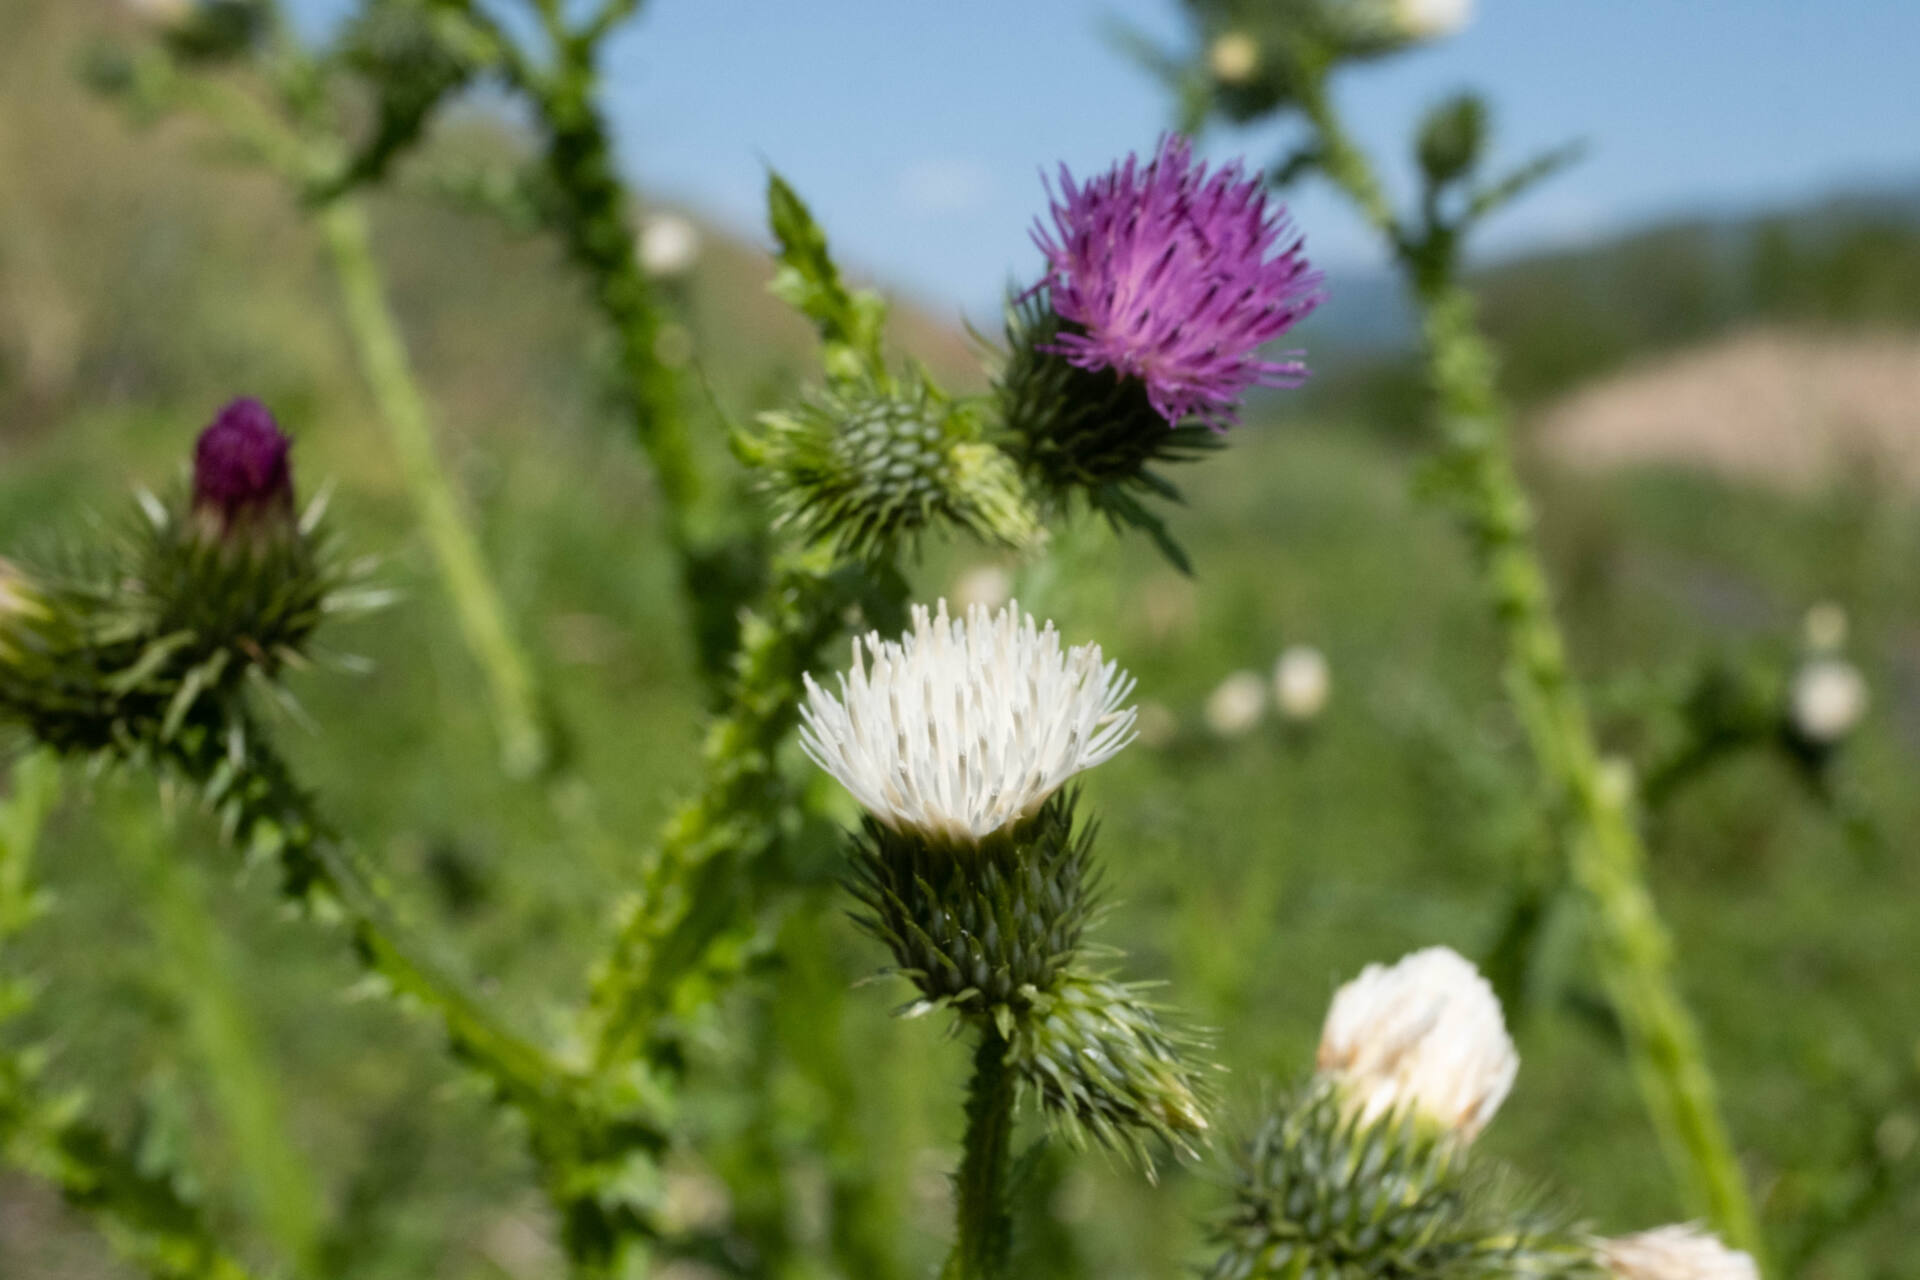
[1674, 1253]
[965, 726]
[1425, 1034]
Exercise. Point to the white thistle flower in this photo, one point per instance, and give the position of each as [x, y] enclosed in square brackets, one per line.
[1302, 682]
[963, 727]
[1235, 707]
[1674, 1253]
[1233, 57]
[1828, 697]
[1425, 1034]
[669, 245]
[1431, 19]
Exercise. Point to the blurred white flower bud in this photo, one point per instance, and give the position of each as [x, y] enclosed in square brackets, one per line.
[1233, 57]
[1825, 628]
[669, 245]
[1426, 1034]
[1827, 700]
[1157, 725]
[1616, 778]
[1235, 707]
[1431, 19]
[1302, 682]
[1674, 1253]
[986, 585]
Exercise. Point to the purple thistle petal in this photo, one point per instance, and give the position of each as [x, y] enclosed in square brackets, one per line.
[1165, 274]
[241, 464]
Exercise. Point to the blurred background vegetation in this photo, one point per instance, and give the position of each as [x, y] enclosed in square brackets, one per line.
[142, 284]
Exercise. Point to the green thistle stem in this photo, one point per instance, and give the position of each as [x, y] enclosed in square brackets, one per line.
[511, 686]
[1606, 854]
[983, 1229]
[689, 895]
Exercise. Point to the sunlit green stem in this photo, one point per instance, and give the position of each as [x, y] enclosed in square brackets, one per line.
[376, 337]
[983, 1232]
[1606, 855]
[242, 1083]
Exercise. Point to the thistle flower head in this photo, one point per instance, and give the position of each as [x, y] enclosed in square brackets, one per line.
[1302, 682]
[1427, 1035]
[1169, 275]
[1674, 1253]
[964, 727]
[241, 468]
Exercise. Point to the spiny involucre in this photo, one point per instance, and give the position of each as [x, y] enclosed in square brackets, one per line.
[1175, 276]
[1425, 1035]
[964, 727]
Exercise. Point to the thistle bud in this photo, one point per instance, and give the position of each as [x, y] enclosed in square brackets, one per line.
[1302, 683]
[1104, 1066]
[242, 474]
[1425, 1036]
[1452, 139]
[872, 471]
[1233, 57]
[669, 246]
[1826, 701]
[1431, 19]
[1674, 1253]
[1236, 705]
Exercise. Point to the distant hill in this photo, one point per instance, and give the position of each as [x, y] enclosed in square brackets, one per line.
[138, 270]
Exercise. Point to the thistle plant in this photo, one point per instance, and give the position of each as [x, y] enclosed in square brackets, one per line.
[1295, 52]
[975, 871]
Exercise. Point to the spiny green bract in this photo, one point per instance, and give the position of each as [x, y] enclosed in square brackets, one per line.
[1091, 435]
[871, 470]
[1104, 1066]
[986, 929]
[139, 633]
[1322, 1196]
[995, 931]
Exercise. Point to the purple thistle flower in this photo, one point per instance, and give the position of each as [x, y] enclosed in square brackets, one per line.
[241, 466]
[1163, 274]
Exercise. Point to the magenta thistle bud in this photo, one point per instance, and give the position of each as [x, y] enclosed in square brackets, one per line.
[241, 467]
[1169, 274]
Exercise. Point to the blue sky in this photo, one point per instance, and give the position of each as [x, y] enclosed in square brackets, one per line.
[917, 128]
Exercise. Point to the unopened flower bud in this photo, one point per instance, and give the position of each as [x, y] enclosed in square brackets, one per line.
[1425, 1035]
[1234, 709]
[669, 245]
[1302, 682]
[242, 473]
[1233, 57]
[1674, 1253]
[1827, 700]
[1431, 19]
